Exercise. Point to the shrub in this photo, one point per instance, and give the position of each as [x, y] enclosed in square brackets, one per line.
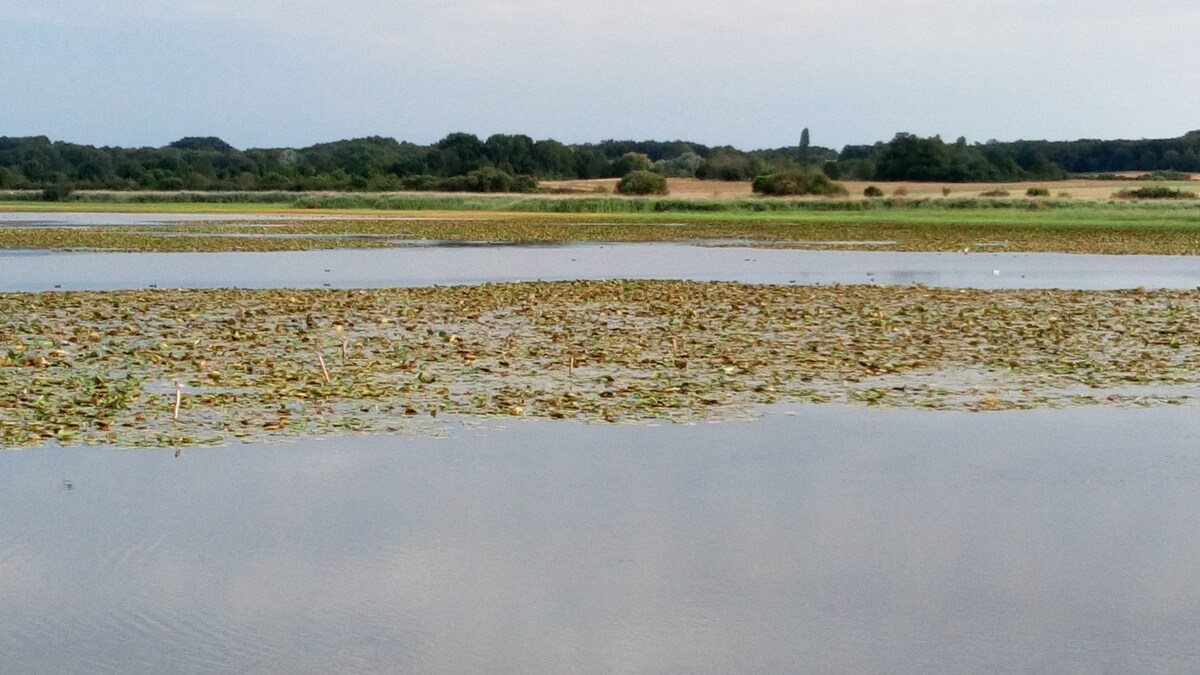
[1155, 192]
[994, 193]
[421, 182]
[9, 179]
[58, 192]
[790, 183]
[488, 179]
[1165, 175]
[872, 192]
[1064, 195]
[1037, 192]
[900, 192]
[642, 183]
[945, 191]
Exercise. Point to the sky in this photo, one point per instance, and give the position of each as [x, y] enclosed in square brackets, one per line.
[752, 74]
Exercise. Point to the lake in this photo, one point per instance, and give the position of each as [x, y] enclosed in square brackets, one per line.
[431, 264]
[817, 539]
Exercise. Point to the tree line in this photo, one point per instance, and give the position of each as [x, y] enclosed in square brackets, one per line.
[514, 162]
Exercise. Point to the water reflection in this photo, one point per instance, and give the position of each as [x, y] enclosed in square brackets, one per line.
[475, 263]
[835, 540]
[95, 219]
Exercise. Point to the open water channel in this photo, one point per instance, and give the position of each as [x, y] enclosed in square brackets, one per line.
[453, 263]
[815, 539]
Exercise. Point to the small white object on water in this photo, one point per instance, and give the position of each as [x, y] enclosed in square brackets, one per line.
[996, 272]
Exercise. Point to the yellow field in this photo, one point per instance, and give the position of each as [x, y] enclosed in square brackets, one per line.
[694, 188]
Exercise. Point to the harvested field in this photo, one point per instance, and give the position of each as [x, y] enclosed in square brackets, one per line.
[693, 188]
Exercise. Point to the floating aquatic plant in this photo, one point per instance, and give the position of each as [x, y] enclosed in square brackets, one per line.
[86, 367]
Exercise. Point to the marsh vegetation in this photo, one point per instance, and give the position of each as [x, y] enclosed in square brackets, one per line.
[1082, 227]
[102, 367]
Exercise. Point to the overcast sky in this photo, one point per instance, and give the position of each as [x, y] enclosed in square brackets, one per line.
[752, 73]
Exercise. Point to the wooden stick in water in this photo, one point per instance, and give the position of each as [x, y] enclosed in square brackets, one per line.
[324, 370]
[178, 400]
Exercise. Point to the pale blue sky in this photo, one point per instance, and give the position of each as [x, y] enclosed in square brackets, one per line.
[267, 73]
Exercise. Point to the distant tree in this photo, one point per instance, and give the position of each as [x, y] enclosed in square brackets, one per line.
[729, 164]
[630, 162]
[513, 154]
[460, 153]
[683, 166]
[210, 143]
[590, 163]
[378, 163]
[553, 159]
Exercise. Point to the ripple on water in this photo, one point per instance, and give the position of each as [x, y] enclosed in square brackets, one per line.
[832, 539]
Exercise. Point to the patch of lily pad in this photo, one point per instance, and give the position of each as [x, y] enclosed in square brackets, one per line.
[112, 367]
[1115, 232]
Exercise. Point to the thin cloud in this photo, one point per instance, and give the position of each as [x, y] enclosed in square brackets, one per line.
[749, 73]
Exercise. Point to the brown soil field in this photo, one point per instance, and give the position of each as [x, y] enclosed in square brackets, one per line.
[694, 188]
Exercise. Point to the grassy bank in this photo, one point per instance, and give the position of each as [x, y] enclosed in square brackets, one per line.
[372, 220]
[561, 204]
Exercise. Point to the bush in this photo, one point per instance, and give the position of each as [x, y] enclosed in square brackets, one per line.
[994, 193]
[789, 183]
[1037, 192]
[59, 192]
[1155, 192]
[945, 191]
[872, 192]
[488, 179]
[642, 183]
[900, 192]
[421, 183]
[1165, 175]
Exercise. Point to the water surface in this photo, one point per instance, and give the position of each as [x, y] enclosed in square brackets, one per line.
[102, 219]
[427, 265]
[832, 540]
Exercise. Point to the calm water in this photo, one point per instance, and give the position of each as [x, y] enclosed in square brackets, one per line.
[834, 540]
[443, 265]
[86, 219]
[830, 539]
[434, 263]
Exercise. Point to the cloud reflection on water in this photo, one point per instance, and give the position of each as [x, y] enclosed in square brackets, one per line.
[837, 539]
